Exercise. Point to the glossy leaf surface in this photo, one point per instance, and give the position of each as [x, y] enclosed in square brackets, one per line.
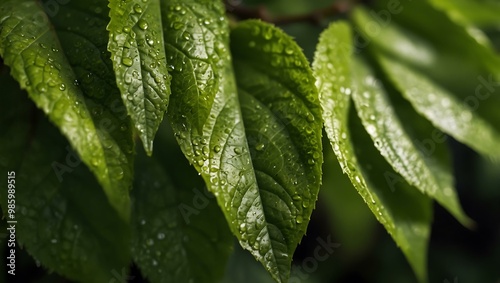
[62, 62]
[139, 60]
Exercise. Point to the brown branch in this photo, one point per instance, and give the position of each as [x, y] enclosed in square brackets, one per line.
[315, 17]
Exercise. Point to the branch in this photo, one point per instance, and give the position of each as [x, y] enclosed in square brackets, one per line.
[315, 17]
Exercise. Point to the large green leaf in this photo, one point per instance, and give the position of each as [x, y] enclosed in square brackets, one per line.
[396, 146]
[283, 125]
[139, 60]
[442, 109]
[180, 233]
[55, 223]
[63, 64]
[220, 151]
[403, 211]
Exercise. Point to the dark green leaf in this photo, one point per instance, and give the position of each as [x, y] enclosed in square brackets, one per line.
[396, 146]
[68, 226]
[404, 212]
[63, 64]
[180, 233]
[283, 125]
[138, 53]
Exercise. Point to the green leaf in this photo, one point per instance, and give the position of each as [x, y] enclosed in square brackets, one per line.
[396, 146]
[479, 13]
[62, 62]
[138, 53]
[195, 42]
[180, 233]
[282, 118]
[455, 60]
[55, 222]
[442, 109]
[404, 212]
[222, 155]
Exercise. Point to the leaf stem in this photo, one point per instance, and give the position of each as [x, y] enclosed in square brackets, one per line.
[315, 17]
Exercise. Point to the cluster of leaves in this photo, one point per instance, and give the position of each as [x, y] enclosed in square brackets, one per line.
[247, 111]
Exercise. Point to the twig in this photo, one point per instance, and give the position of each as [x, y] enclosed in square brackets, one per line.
[315, 17]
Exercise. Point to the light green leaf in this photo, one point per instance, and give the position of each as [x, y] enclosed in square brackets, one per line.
[455, 60]
[283, 125]
[442, 109]
[404, 212]
[483, 14]
[180, 233]
[55, 223]
[62, 62]
[195, 34]
[382, 124]
[138, 53]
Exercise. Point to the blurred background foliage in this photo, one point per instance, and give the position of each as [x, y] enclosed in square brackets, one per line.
[364, 252]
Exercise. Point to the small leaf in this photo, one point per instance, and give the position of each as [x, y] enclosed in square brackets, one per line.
[138, 54]
[55, 222]
[282, 118]
[180, 233]
[59, 61]
[381, 122]
[405, 213]
[442, 109]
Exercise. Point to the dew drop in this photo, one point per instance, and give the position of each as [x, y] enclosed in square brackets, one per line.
[243, 227]
[268, 34]
[138, 8]
[41, 87]
[126, 29]
[260, 147]
[217, 148]
[299, 219]
[62, 87]
[186, 35]
[142, 24]
[289, 50]
[127, 61]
